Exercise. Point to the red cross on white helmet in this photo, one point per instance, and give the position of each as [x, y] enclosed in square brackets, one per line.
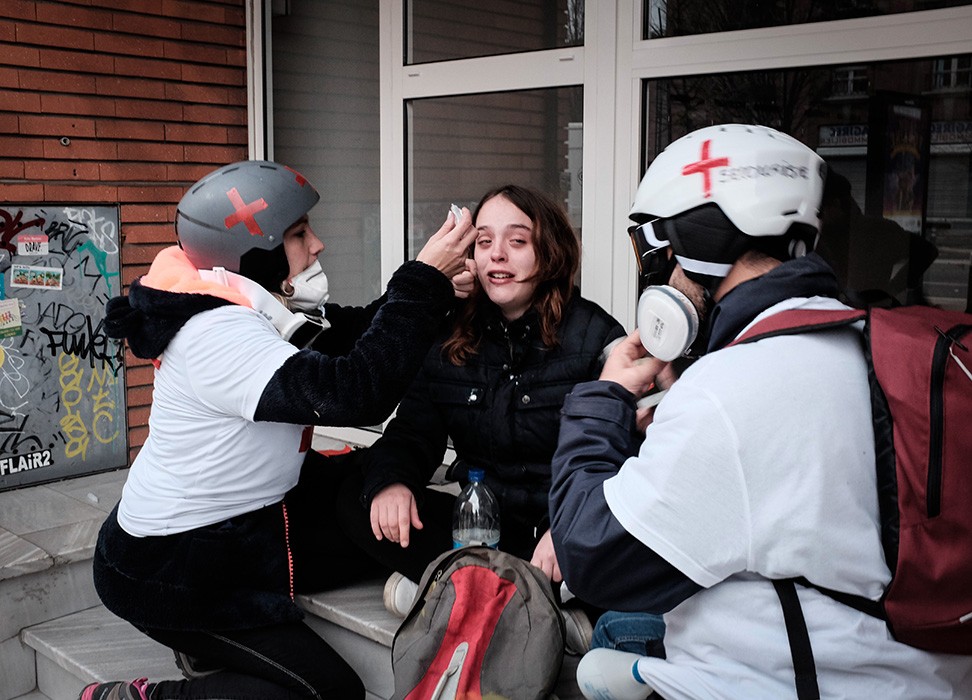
[763, 180]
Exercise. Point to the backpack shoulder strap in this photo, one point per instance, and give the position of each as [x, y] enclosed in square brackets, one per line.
[800, 321]
[804, 668]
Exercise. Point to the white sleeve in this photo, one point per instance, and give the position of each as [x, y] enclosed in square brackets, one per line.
[235, 356]
[684, 495]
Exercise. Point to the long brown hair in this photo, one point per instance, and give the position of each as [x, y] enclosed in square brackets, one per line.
[558, 259]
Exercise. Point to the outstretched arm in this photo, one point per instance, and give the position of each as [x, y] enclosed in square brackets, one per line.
[364, 386]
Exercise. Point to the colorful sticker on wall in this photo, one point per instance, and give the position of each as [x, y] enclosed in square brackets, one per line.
[10, 323]
[32, 244]
[31, 276]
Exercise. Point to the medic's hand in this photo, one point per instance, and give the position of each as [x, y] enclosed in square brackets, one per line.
[630, 366]
[307, 290]
[545, 558]
[465, 281]
[447, 249]
[644, 416]
[393, 512]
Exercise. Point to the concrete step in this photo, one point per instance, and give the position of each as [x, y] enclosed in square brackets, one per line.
[94, 645]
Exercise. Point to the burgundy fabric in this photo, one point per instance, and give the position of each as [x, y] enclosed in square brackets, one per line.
[930, 401]
[920, 359]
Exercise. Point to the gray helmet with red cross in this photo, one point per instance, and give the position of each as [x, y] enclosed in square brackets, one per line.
[236, 216]
[721, 190]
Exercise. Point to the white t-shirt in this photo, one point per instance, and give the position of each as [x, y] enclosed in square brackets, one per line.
[750, 471]
[205, 460]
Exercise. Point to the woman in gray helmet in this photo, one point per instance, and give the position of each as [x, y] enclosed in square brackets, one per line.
[213, 534]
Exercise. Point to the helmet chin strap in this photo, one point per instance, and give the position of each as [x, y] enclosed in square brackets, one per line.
[707, 274]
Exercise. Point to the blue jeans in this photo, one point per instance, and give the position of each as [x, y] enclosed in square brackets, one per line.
[639, 633]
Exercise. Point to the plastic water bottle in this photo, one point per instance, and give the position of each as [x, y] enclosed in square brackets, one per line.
[475, 519]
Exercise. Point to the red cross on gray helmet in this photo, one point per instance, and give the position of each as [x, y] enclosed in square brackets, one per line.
[709, 193]
[241, 207]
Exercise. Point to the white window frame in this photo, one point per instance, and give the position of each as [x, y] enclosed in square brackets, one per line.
[610, 67]
[259, 80]
[581, 65]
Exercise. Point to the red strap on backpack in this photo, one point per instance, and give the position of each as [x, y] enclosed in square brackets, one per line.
[799, 321]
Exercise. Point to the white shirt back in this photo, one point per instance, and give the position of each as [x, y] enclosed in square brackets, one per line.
[760, 465]
[205, 460]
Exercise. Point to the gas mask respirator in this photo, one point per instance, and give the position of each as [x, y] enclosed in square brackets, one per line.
[668, 321]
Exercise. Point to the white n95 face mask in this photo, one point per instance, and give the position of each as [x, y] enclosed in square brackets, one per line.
[307, 290]
[668, 322]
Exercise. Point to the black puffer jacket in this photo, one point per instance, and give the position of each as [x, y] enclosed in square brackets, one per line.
[501, 410]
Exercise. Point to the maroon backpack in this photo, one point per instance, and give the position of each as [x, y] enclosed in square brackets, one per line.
[920, 372]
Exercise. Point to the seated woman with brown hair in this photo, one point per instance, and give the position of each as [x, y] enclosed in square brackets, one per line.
[493, 384]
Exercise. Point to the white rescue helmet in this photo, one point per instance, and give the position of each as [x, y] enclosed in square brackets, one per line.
[240, 209]
[710, 193]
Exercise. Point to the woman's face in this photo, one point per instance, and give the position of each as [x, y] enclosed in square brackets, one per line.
[301, 246]
[506, 262]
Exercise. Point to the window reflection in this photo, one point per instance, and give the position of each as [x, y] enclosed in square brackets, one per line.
[441, 30]
[461, 147]
[326, 126]
[897, 135]
[664, 18]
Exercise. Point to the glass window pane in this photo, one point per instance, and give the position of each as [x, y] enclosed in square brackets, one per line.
[897, 136]
[663, 18]
[442, 30]
[326, 126]
[461, 147]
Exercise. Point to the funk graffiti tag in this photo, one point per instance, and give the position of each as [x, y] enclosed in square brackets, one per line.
[93, 345]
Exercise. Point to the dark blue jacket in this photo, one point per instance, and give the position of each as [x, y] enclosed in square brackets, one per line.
[601, 562]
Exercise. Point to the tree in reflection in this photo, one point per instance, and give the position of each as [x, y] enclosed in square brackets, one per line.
[684, 17]
[784, 100]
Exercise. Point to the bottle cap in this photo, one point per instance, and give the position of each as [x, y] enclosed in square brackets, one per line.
[476, 474]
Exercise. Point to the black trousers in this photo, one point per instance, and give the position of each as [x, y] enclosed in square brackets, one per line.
[518, 533]
[424, 545]
[284, 660]
[279, 661]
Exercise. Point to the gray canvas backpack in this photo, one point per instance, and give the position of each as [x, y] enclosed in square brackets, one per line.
[485, 624]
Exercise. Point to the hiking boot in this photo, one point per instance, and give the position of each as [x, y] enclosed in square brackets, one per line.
[399, 594]
[608, 674]
[577, 631]
[116, 690]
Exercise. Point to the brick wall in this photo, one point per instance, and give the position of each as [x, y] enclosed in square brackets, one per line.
[121, 101]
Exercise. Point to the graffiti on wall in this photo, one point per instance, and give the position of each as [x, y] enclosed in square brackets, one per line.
[62, 384]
